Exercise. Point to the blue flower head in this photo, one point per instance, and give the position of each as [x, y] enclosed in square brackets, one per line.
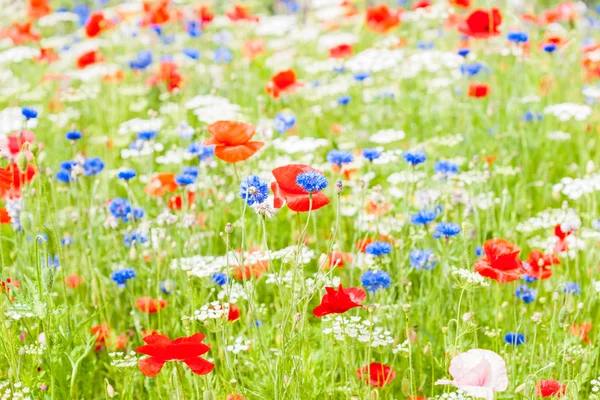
[415, 157]
[531, 116]
[254, 190]
[470, 70]
[528, 278]
[344, 100]
[550, 47]
[464, 52]
[311, 181]
[93, 166]
[168, 286]
[425, 217]
[517, 37]
[138, 213]
[514, 338]
[68, 165]
[445, 168]
[222, 56]
[193, 171]
[378, 249]
[192, 53]
[142, 61]
[375, 280]
[121, 276]
[126, 174]
[284, 121]
[446, 229]
[202, 152]
[219, 278]
[371, 154]
[29, 113]
[66, 241]
[53, 262]
[478, 251]
[422, 259]
[147, 135]
[73, 135]
[340, 157]
[361, 76]
[63, 176]
[193, 28]
[185, 179]
[571, 288]
[134, 238]
[120, 208]
[526, 294]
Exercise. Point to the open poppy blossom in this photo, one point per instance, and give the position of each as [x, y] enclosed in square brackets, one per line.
[253, 48]
[47, 55]
[89, 58]
[232, 140]
[101, 332]
[376, 374]
[150, 305]
[550, 388]
[337, 259]
[540, 264]
[380, 19]
[161, 349]
[156, 13]
[341, 51]
[168, 74]
[482, 24]
[21, 33]
[339, 301]
[287, 191]
[283, 82]
[19, 179]
[241, 13]
[501, 261]
[4, 216]
[36, 9]
[478, 90]
[96, 24]
[581, 330]
[561, 242]
[160, 184]
[204, 14]
[176, 202]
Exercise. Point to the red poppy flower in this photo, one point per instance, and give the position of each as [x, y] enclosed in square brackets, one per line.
[421, 4]
[381, 19]
[287, 191]
[253, 48]
[8, 284]
[501, 261]
[341, 51]
[337, 259]
[167, 74]
[235, 396]
[101, 332]
[581, 330]
[234, 313]
[21, 33]
[478, 90]
[461, 3]
[241, 13]
[232, 140]
[283, 82]
[156, 13]
[162, 349]
[339, 301]
[550, 388]
[376, 374]
[561, 244]
[73, 281]
[204, 14]
[160, 184]
[176, 202]
[540, 263]
[251, 271]
[19, 179]
[96, 24]
[89, 58]
[482, 24]
[4, 217]
[36, 9]
[6, 178]
[47, 55]
[150, 305]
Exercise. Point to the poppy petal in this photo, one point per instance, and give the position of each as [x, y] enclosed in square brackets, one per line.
[233, 154]
[231, 133]
[150, 366]
[199, 366]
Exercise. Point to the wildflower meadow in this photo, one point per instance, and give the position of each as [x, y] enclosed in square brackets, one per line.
[299, 199]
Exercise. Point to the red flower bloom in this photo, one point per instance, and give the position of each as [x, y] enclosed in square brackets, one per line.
[162, 349]
[241, 13]
[478, 90]
[253, 48]
[156, 13]
[73, 281]
[18, 179]
[283, 82]
[501, 261]
[47, 55]
[381, 19]
[561, 244]
[339, 301]
[550, 388]
[376, 374]
[89, 58]
[421, 4]
[235, 396]
[287, 190]
[96, 24]
[540, 263]
[21, 33]
[204, 14]
[4, 217]
[160, 184]
[232, 140]
[337, 259]
[250, 271]
[234, 313]
[168, 74]
[482, 24]
[101, 331]
[461, 3]
[176, 202]
[341, 51]
[150, 305]
[38, 8]
[581, 330]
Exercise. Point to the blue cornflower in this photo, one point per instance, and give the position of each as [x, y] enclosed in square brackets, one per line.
[138, 213]
[53, 262]
[193, 28]
[222, 56]
[445, 168]
[29, 113]
[311, 181]
[478, 251]
[572, 288]
[121, 276]
[361, 76]
[371, 154]
[446, 229]
[193, 171]
[202, 152]
[167, 286]
[517, 37]
[339, 157]
[63, 176]
[340, 69]
[422, 259]
[142, 61]
[126, 174]
[284, 121]
[93, 166]
[120, 208]
[254, 190]
[344, 100]
[425, 45]
[192, 53]
[415, 157]
[530, 116]
[528, 278]
[550, 47]
[147, 135]
[67, 241]
[83, 12]
[134, 238]
[470, 70]
[374, 280]
[73, 135]
[184, 179]
[68, 165]
[425, 217]
[526, 293]
[514, 338]
[219, 278]
[378, 249]
[463, 52]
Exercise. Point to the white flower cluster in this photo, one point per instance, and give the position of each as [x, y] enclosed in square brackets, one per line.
[574, 188]
[469, 277]
[139, 125]
[214, 310]
[386, 136]
[458, 395]
[549, 218]
[18, 311]
[595, 385]
[234, 292]
[32, 349]
[209, 109]
[296, 144]
[569, 111]
[403, 347]
[239, 345]
[19, 391]
[375, 60]
[357, 328]
[558, 136]
[122, 360]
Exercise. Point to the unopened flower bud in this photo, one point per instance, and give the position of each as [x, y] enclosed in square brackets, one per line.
[228, 228]
[22, 162]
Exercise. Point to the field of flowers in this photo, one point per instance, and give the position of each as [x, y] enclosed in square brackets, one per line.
[285, 199]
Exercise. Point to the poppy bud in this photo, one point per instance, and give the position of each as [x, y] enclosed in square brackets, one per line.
[34, 147]
[208, 395]
[48, 278]
[22, 162]
[228, 228]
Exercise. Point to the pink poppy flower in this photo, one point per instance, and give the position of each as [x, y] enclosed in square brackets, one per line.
[479, 373]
